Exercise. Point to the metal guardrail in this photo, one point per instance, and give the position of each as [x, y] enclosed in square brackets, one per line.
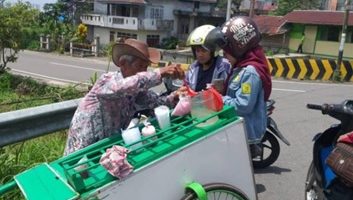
[20, 125]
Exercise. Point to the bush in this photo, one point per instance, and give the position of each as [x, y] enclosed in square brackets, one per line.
[33, 45]
[107, 49]
[169, 43]
[18, 157]
[17, 92]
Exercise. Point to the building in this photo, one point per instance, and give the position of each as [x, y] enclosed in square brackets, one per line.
[322, 32]
[261, 7]
[273, 30]
[149, 20]
[332, 5]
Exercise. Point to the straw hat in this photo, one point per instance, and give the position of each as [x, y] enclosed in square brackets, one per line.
[135, 48]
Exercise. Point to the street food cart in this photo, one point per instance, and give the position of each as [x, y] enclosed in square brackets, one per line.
[177, 162]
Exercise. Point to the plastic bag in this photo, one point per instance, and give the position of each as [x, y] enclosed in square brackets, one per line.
[216, 104]
[190, 92]
[183, 107]
[115, 162]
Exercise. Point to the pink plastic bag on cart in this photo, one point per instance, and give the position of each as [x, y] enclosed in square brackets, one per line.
[114, 160]
[183, 107]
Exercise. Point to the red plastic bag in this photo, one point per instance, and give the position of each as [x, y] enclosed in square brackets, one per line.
[212, 99]
[190, 92]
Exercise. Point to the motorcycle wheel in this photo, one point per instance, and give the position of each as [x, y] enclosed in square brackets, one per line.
[312, 190]
[270, 152]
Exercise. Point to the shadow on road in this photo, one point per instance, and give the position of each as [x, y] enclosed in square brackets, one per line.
[260, 188]
[272, 170]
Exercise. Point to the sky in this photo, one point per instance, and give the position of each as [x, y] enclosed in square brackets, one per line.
[34, 2]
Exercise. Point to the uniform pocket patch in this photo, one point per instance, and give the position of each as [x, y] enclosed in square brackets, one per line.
[246, 88]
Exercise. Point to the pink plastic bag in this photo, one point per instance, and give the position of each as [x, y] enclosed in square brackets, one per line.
[183, 107]
[114, 160]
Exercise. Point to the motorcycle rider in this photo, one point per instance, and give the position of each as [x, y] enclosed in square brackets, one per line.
[208, 66]
[249, 85]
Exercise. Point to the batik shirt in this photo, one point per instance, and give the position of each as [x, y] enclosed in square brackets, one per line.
[110, 105]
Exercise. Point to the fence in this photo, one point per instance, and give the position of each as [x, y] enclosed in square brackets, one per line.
[33, 122]
[83, 50]
[44, 42]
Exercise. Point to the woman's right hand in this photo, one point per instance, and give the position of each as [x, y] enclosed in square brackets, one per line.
[173, 71]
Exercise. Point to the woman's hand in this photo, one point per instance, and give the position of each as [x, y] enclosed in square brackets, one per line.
[173, 71]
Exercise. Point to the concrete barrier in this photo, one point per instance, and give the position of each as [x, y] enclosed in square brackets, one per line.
[300, 68]
[313, 69]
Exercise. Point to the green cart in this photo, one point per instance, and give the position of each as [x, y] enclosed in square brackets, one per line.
[188, 161]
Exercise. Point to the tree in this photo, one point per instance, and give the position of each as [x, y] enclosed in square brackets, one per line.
[286, 6]
[14, 24]
[310, 4]
[74, 8]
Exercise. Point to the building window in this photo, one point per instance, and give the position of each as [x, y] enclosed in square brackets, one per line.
[329, 33]
[196, 5]
[111, 36]
[124, 10]
[156, 13]
[349, 37]
[153, 40]
[126, 35]
[185, 29]
[340, 5]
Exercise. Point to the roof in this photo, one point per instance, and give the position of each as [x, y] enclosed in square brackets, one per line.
[318, 17]
[271, 25]
[124, 1]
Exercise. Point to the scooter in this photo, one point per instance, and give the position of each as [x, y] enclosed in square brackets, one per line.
[321, 182]
[269, 143]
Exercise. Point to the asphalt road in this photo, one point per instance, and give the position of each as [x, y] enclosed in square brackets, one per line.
[282, 181]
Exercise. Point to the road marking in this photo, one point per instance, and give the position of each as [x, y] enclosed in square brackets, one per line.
[48, 77]
[288, 90]
[307, 83]
[78, 67]
[63, 57]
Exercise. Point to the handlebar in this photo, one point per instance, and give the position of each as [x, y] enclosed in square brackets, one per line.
[314, 106]
[343, 112]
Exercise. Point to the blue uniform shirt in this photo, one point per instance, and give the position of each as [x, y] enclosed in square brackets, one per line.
[246, 94]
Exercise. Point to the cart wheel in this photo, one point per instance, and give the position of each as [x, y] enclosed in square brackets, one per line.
[217, 191]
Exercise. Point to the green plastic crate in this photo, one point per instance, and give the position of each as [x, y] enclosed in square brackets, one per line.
[183, 132]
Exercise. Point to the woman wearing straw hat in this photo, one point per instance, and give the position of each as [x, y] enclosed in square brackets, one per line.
[111, 103]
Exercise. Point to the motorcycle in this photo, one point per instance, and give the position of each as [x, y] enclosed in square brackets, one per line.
[321, 182]
[270, 147]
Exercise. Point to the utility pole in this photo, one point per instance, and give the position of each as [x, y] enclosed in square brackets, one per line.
[229, 2]
[337, 71]
[252, 5]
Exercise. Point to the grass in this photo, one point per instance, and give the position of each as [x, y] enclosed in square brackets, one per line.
[19, 157]
[17, 92]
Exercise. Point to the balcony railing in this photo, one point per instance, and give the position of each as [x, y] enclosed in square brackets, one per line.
[155, 24]
[129, 23]
[110, 21]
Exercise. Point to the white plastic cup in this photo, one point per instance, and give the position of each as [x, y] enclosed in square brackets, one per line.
[163, 117]
[130, 136]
